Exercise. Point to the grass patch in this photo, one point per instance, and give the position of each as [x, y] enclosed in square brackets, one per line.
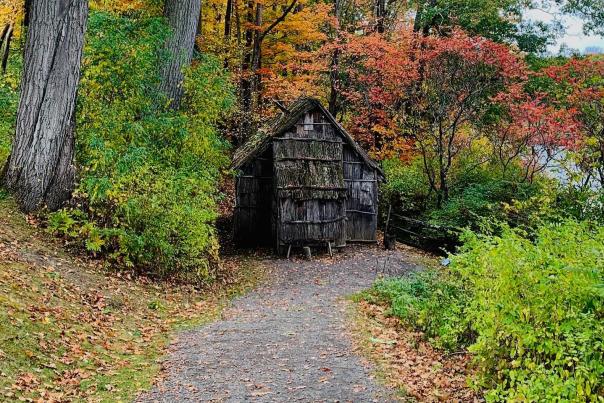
[70, 332]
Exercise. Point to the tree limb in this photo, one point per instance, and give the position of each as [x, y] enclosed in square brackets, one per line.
[277, 21]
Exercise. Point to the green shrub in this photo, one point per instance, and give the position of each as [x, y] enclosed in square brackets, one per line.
[538, 310]
[531, 311]
[479, 195]
[556, 203]
[9, 99]
[149, 177]
[431, 301]
[406, 185]
[481, 201]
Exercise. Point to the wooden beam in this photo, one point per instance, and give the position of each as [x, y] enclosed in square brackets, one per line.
[307, 159]
[282, 107]
[311, 187]
[307, 139]
[360, 180]
[361, 212]
[297, 222]
[254, 177]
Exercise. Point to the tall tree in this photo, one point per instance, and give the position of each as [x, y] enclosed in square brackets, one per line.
[460, 76]
[40, 168]
[183, 18]
[498, 20]
[578, 86]
[251, 80]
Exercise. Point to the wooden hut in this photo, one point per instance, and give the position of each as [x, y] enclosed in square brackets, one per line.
[304, 181]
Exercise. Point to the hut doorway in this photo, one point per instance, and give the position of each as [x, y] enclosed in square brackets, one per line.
[253, 218]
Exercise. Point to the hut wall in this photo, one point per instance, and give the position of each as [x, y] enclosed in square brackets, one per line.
[309, 180]
[362, 202]
[253, 203]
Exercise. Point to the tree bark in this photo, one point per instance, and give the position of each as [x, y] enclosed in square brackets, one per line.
[5, 47]
[380, 16]
[334, 68]
[199, 30]
[245, 86]
[419, 25]
[227, 20]
[228, 16]
[257, 56]
[251, 82]
[40, 169]
[183, 18]
[3, 34]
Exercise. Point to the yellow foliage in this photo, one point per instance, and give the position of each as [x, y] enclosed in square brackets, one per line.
[123, 6]
[11, 13]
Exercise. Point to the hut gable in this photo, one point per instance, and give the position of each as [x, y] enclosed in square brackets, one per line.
[262, 139]
[305, 181]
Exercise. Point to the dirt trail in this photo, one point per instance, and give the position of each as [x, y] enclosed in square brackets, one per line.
[286, 341]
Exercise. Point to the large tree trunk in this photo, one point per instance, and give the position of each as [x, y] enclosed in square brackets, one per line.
[40, 169]
[257, 57]
[228, 16]
[183, 17]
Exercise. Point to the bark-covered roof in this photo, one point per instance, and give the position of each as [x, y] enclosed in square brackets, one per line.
[258, 143]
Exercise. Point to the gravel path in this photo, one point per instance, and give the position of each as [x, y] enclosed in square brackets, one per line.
[286, 341]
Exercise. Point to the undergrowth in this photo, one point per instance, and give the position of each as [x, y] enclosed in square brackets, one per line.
[147, 193]
[70, 333]
[529, 310]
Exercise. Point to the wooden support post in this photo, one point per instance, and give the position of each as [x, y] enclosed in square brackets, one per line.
[289, 250]
[329, 249]
[389, 239]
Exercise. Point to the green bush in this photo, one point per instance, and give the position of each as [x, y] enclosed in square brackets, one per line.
[9, 99]
[149, 177]
[531, 311]
[479, 193]
[431, 301]
[556, 203]
[538, 310]
[406, 185]
[481, 201]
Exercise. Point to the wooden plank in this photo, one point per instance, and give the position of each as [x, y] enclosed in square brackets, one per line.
[307, 139]
[409, 232]
[307, 159]
[418, 222]
[361, 180]
[298, 222]
[360, 212]
[312, 187]
[254, 177]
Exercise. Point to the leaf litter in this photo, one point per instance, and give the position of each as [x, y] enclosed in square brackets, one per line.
[407, 362]
[71, 331]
